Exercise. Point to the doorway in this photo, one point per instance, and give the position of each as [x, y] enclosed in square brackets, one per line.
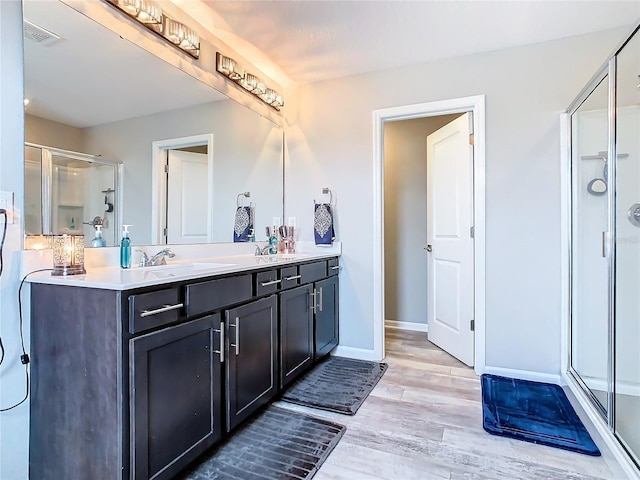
[192, 160]
[454, 107]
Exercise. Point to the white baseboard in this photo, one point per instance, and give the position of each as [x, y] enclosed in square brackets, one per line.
[358, 353]
[413, 326]
[523, 374]
[614, 454]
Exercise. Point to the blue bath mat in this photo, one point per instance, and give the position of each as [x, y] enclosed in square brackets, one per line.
[533, 412]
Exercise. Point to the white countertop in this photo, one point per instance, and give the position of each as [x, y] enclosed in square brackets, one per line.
[116, 278]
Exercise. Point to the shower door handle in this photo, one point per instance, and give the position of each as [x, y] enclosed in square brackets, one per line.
[428, 248]
[605, 252]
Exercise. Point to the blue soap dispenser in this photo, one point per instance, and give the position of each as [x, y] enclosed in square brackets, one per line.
[273, 241]
[125, 248]
[98, 241]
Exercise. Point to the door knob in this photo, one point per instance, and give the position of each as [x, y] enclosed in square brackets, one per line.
[428, 248]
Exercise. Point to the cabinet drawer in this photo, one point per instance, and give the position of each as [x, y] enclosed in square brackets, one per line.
[311, 272]
[290, 277]
[154, 309]
[333, 266]
[267, 282]
[213, 295]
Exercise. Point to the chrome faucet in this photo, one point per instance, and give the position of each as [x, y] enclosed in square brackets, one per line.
[160, 258]
[262, 251]
[144, 258]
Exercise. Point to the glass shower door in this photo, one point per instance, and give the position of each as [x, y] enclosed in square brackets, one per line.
[69, 193]
[589, 264]
[627, 249]
[33, 191]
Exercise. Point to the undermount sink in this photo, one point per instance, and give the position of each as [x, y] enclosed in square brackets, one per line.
[176, 269]
[281, 257]
[292, 256]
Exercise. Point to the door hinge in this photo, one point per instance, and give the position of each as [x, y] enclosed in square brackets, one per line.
[472, 232]
[471, 139]
[165, 231]
[166, 168]
[472, 325]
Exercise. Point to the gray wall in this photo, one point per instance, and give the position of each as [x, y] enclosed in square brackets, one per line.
[52, 134]
[330, 143]
[14, 425]
[247, 153]
[405, 217]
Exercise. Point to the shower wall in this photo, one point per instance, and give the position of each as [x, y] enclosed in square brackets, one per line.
[590, 304]
[627, 245]
[590, 294]
[605, 244]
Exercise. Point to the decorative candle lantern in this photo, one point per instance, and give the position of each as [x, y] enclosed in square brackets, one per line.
[68, 255]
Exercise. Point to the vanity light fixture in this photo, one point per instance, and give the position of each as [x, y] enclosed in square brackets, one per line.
[251, 83]
[149, 14]
[68, 255]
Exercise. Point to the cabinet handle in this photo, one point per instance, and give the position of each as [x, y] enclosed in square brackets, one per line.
[337, 267]
[320, 303]
[237, 327]
[313, 303]
[293, 277]
[221, 351]
[166, 308]
[270, 282]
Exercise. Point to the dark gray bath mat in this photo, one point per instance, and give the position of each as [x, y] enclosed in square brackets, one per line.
[336, 384]
[278, 444]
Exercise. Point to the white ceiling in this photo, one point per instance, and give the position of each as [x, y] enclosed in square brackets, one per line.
[317, 40]
[91, 76]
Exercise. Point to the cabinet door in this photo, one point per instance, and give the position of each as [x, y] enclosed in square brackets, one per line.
[326, 318]
[175, 397]
[296, 333]
[251, 366]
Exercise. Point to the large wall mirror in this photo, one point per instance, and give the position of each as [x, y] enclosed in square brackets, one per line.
[103, 100]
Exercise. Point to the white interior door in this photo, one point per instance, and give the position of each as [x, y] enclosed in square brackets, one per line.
[187, 202]
[450, 264]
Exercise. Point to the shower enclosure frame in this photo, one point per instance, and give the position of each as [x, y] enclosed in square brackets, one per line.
[46, 162]
[603, 419]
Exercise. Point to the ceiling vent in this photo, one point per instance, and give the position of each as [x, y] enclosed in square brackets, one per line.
[39, 35]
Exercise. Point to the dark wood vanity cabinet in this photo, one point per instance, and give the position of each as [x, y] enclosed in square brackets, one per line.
[308, 319]
[296, 333]
[175, 398]
[78, 398]
[251, 360]
[326, 316]
[324, 275]
[136, 384]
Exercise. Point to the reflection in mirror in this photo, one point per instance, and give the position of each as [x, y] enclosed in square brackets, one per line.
[111, 98]
[66, 188]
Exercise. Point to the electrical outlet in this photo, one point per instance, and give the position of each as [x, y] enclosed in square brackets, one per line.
[6, 202]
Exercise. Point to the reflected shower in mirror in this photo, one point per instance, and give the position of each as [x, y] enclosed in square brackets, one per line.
[110, 98]
[69, 193]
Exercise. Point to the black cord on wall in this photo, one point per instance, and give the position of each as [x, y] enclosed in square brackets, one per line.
[24, 358]
[4, 234]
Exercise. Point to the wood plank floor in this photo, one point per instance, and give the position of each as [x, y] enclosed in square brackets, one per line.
[424, 421]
